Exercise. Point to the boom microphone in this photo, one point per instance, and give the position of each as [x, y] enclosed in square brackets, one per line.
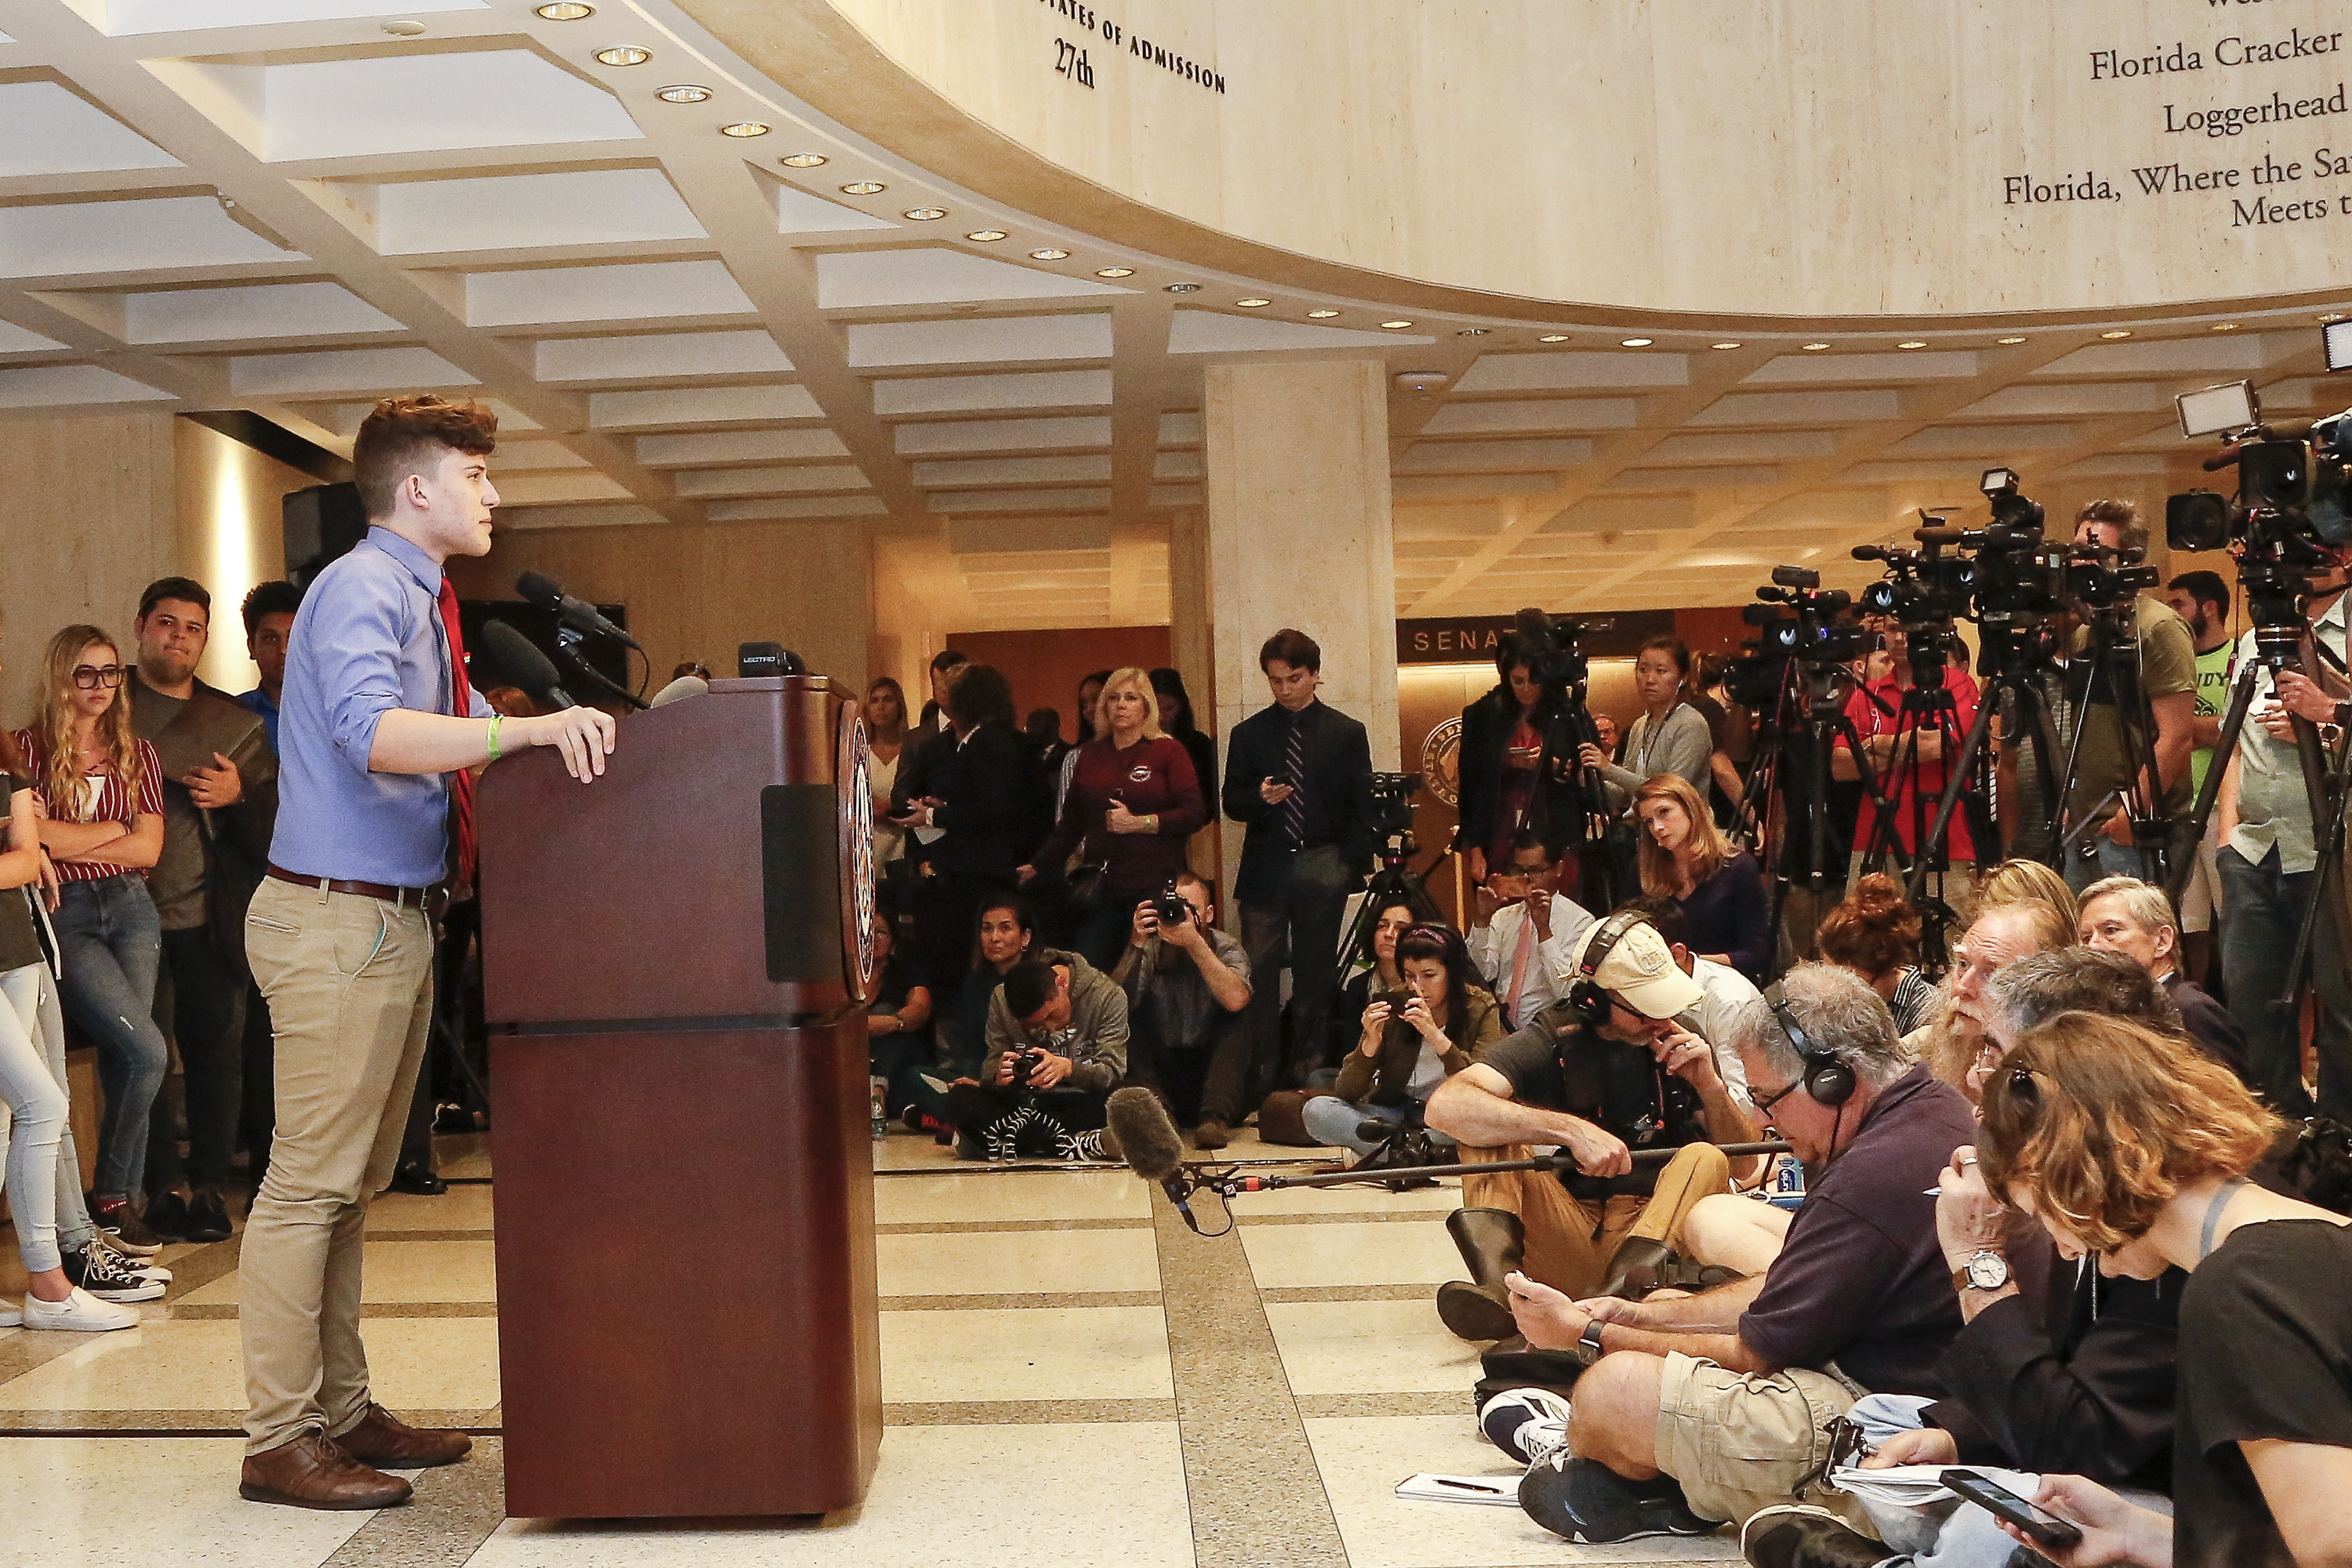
[578, 613]
[512, 655]
[1149, 1139]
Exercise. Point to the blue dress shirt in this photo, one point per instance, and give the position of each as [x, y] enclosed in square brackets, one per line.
[368, 638]
[258, 701]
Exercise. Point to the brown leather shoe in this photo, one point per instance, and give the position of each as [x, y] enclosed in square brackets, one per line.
[312, 1472]
[384, 1439]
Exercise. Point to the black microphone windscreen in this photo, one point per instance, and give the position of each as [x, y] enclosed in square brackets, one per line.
[540, 589]
[1146, 1136]
[512, 654]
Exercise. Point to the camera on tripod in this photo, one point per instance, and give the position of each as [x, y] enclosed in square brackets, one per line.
[1393, 812]
[2291, 498]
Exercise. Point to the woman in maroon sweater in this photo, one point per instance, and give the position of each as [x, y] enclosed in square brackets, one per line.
[1133, 799]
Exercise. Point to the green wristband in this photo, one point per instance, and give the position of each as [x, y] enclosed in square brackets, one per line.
[496, 719]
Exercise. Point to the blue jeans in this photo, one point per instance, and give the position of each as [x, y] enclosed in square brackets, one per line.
[2266, 907]
[2097, 856]
[111, 944]
[37, 1103]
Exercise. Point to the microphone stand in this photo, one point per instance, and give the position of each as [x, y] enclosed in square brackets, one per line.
[1227, 1180]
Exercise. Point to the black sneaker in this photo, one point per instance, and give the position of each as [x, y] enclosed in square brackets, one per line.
[417, 1180]
[98, 1271]
[207, 1218]
[167, 1216]
[1799, 1536]
[1585, 1501]
[126, 1229]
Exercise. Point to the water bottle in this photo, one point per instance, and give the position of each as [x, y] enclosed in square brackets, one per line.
[878, 1088]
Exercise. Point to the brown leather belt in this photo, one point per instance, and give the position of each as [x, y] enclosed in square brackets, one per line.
[364, 889]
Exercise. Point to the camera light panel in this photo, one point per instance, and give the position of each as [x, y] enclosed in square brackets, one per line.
[2336, 339]
[2214, 409]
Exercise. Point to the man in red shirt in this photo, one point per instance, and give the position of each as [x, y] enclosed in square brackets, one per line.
[1907, 754]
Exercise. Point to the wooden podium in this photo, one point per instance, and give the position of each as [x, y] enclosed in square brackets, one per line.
[673, 959]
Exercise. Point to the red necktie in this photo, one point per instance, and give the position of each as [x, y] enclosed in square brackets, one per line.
[461, 782]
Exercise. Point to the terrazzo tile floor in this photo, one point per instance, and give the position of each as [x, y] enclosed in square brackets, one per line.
[1070, 1378]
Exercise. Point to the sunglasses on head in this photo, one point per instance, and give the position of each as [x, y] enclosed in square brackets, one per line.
[90, 676]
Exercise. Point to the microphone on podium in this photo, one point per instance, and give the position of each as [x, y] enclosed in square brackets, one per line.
[1151, 1144]
[578, 613]
[678, 690]
[512, 655]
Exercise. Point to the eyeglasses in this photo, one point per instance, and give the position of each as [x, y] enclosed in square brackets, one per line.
[90, 676]
[1765, 1106]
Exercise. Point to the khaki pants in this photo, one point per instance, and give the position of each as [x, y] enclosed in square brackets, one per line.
[1569, 1240]
[1740, 1442]
[350, 983]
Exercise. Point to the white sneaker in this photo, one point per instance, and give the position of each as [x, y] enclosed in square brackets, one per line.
[79, 1312]
[1527, 1424]
[129, 1262]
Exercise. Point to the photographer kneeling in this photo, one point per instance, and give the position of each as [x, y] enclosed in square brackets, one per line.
[1603, 1070]
[1056, 1047]
[2133, 1149]
[1187, 985]
[1413, 1042]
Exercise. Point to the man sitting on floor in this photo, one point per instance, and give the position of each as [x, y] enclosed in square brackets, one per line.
[1056, 1047]
[1600, 1072]
[2059, 1369]
[2126, 915]
[1707, 1409]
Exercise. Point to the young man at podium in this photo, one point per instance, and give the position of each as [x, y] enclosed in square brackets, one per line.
[378, 726]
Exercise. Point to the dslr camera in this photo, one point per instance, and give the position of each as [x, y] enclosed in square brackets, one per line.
[1170, 905]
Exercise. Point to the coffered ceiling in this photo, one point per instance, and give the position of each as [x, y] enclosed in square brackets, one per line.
[732, 308]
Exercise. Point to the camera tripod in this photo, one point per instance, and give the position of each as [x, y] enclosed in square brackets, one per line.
[2113, 652]
[2281, 623]
[1928, 706]
[1814, 689]
[1392, 884]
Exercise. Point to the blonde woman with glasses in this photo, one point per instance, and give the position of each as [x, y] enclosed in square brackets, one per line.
[100, 793]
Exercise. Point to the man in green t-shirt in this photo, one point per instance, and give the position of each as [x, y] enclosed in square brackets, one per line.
[2168, 674]
[2202, 599]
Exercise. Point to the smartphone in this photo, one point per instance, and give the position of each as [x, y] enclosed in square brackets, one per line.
[2044, 1528]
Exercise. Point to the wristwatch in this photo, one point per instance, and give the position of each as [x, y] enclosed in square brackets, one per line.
[1588, 1345]
[1985, 1270]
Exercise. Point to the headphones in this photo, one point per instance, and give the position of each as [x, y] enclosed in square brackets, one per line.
[1828, 1079]
[1586, 1001]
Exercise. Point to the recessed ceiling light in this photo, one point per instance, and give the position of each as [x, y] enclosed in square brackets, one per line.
[2333, 316]
[566, 11]
[1253, 304]
[1723, 345]
[1183, 288]
[1553, 338]
[1113, 271]
[743, 129]
[924, 215]
[2225, 326]
[404, 28]
[1472, 332]
[985, 236]
[1049, 254]
[1323, 315]
[1912, 343]
[626, 55]
[2118, 333]
[2010, 339]
[1395, 326]
[682, 92]
[803, 160]
[1635, 343]
[1815, 348]
[864, 189]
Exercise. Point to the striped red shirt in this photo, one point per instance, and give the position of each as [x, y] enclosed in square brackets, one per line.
[113, 803]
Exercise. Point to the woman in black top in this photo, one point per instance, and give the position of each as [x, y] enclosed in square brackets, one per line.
[974, 798]
[2131, 1146]
[1176, 720]
[1499, 758]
